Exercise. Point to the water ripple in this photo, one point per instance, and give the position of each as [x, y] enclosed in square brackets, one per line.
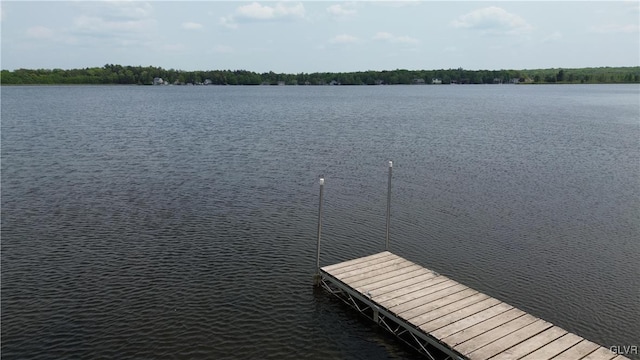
[177, 222]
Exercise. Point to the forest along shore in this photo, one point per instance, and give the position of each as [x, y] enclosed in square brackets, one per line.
[138, 75]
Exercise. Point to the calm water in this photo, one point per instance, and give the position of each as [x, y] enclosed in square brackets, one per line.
[179, 222]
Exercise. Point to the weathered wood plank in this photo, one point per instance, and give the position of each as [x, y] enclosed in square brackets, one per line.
[443, 306]
[448, 319]
[469, 321]
[379, 275]
[383, 297]
[483, 327]
[555, 347]
[417, 298]
[532, 344]
[454, 306]
[431, 286]
[600, 354]
[536, 334]
[620, 357]
[365, 268]
[343, 264]
[578, 351]
[494, 334]
[398, 281]
[372, 272]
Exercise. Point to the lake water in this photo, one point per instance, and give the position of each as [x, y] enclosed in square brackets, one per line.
[180, 222]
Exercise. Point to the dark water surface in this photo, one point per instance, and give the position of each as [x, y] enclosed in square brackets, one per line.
[179, 222]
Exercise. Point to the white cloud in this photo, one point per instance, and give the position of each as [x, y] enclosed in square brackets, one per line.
[127, 23]
[191, 26]
[343, 39]
[117, 10]
[114, 24]
[341, 11]
[615, 29]
[133, 9]
[39, 32]
[263, 12]
[385, 36]
[382, 36]
[397, 3]
[257, 12]
[229, 22]
[98, 25]
[493, 20]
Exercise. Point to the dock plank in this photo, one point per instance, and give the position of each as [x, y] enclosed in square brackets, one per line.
[418, 298]
[376, 271]
[439, 304]
[538, 334]
[495, 334]
[483, 327]
[434, 285]
[398, 281]
[334, 267]
[448, 309]
[469, 321]
[532, 344]
[450, 318]
[403, 292]
[578, 351]
[380, 275]
[555, 347]
[600, 354]
[372, 265]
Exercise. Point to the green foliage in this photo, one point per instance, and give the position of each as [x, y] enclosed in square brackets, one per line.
[118, 74]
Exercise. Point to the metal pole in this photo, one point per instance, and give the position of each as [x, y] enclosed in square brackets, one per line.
[317, 275]
[389, 205]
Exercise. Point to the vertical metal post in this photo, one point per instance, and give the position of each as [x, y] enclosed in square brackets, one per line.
[317, 275]
[389, 205]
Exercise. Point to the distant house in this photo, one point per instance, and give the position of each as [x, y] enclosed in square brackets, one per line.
[280, 83]
[208, 82]
[515, 80]
[379, 82]
[436, 81]
[418, 81]
[158, 81]
[497, 80]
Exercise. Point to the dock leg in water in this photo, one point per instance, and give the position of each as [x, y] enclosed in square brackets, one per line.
[317, 277]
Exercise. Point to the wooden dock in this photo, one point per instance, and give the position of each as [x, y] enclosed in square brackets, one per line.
[428, 311]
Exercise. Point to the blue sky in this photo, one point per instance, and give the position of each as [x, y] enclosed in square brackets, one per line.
[303, 36]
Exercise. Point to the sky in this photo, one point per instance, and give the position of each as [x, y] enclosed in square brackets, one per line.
[320, 36]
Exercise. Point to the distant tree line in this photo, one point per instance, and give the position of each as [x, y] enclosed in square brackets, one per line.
[118, 74]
